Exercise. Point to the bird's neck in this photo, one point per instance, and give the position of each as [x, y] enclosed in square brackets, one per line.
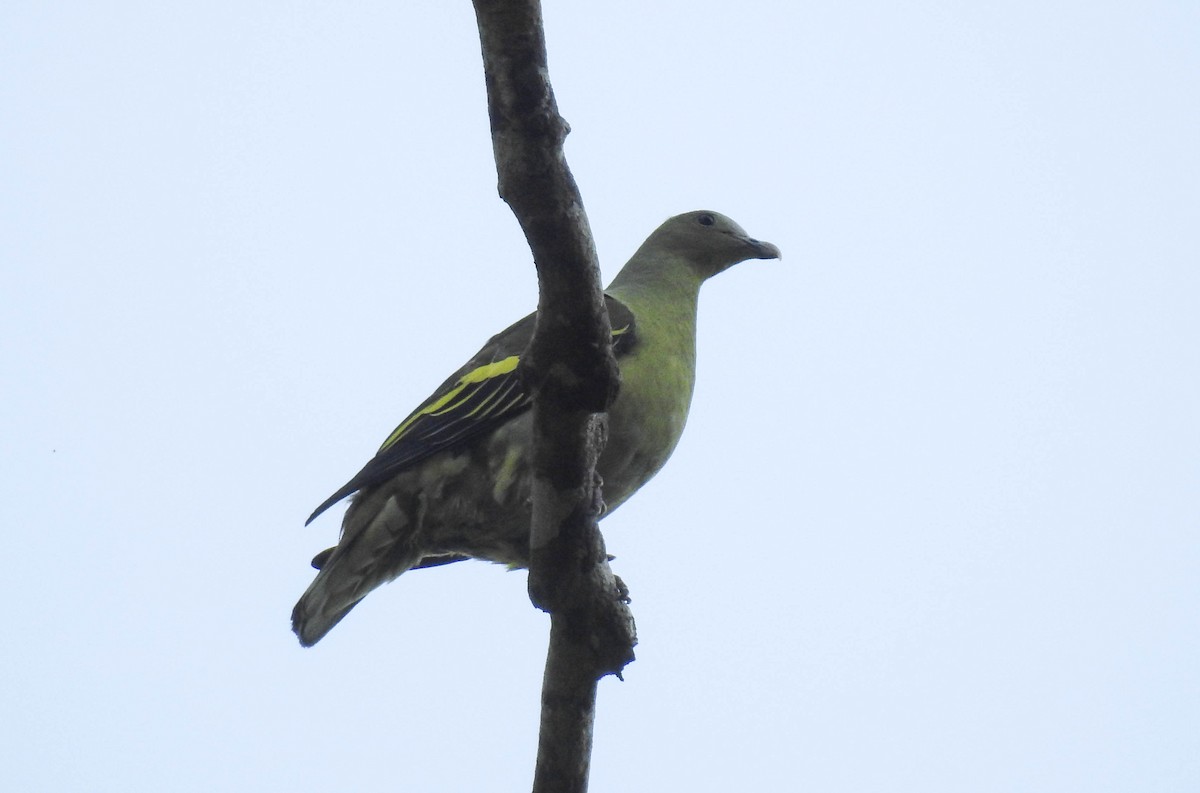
[663, 299]
[671, 284]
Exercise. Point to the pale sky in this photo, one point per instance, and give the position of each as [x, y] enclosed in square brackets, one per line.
[934, 524]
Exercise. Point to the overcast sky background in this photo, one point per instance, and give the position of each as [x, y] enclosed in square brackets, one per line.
[934, 523]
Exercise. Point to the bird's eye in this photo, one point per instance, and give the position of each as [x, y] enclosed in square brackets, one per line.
[706, 220]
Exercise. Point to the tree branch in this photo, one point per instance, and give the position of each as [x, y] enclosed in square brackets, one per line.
[574, 377]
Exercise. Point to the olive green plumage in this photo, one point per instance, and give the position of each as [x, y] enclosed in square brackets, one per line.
[452, 481]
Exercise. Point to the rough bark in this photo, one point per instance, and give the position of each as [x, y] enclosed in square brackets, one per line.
[574, 377]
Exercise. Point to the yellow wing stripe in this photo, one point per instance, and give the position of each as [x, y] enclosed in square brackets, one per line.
[485, 407]
[446, 402]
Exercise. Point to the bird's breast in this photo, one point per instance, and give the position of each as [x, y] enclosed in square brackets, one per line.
[645, 422]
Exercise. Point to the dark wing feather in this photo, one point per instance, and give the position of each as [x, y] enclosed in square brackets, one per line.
[482, 395]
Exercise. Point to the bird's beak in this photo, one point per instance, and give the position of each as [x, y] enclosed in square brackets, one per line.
[764, 250]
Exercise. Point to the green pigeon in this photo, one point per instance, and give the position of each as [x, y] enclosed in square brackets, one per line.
[453, 480]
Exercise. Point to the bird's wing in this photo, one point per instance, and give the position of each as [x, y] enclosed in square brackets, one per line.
[485, 393]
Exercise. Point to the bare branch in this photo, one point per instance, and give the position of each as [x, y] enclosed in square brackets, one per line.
[571, 368]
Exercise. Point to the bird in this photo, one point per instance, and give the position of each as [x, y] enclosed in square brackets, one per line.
[452, 481]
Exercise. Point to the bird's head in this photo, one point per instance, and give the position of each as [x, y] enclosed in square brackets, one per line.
[711, 241]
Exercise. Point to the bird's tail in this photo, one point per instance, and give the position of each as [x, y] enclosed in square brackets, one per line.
[313, 617]
[373, 550]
